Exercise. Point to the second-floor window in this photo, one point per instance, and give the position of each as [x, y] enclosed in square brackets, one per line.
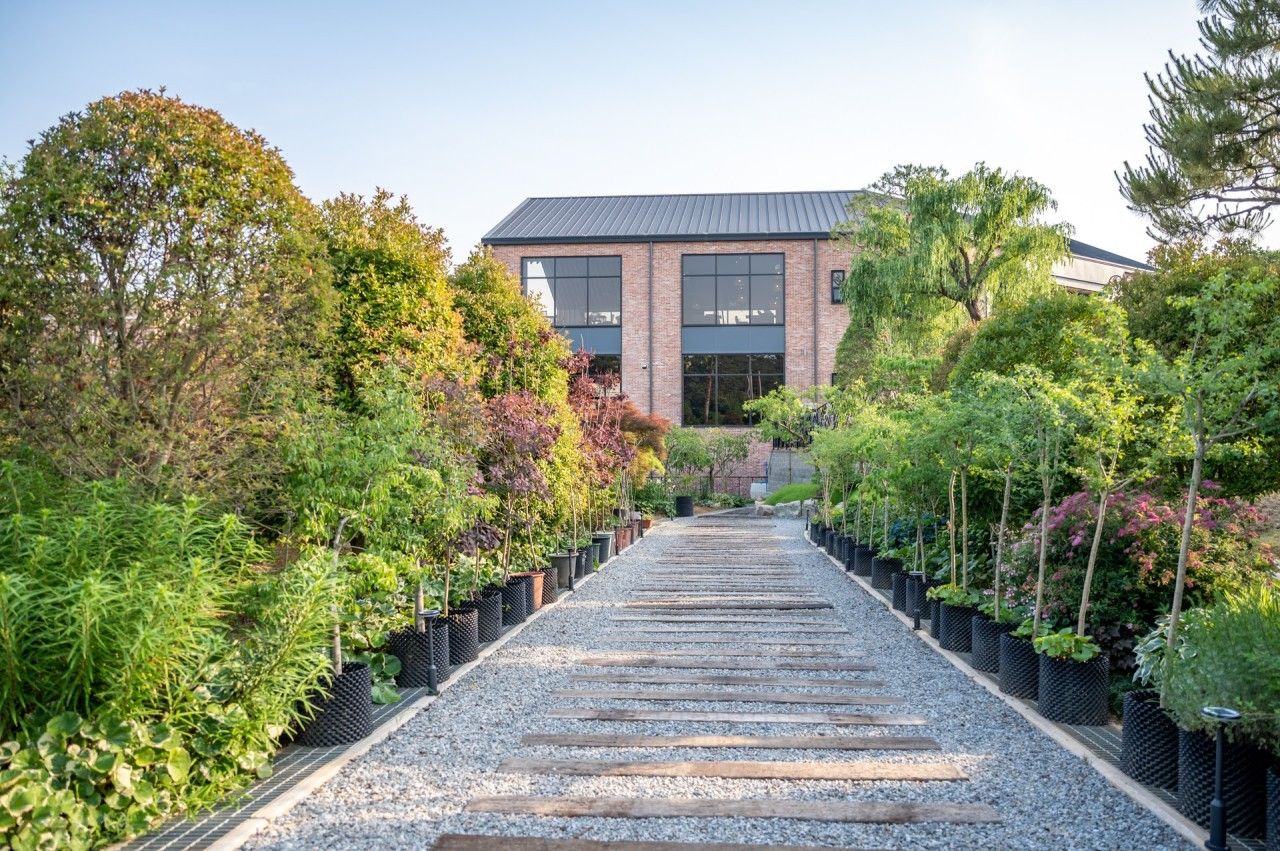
[837, 286]
[732, 289]
[576, 292]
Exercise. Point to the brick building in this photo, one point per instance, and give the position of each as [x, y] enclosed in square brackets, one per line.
[702, 301]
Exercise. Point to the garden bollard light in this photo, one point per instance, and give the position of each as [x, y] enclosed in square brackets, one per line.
[1217, 840]
[573, 554]
[432, 673]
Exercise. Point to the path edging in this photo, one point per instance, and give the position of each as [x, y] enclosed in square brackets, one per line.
[1139, 794]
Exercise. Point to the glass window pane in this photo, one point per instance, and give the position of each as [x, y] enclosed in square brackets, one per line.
[571, 302]
[540, 267]
[733, 298]
[604, 267]
[699, 264]
[767, 364]
[605, 364]
[700, 364]
[539, 290]
[604, 298]
[766, 264]
[762, 385]
[699, 301]
[732, 264]
[571, 267]
[731, 392]
[734, 364]
[697, 400]
[766, 299]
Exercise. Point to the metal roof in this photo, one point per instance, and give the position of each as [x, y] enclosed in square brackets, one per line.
[664, 218]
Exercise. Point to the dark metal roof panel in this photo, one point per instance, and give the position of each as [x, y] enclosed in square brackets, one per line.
[1091, 252]
[643, 217]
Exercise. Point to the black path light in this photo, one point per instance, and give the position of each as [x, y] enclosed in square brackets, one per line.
[427, 617]
[1217, 840]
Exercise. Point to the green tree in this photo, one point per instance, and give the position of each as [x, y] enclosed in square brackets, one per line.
[1214, 160]
[162, 284]
[708, 452]
[928, 245]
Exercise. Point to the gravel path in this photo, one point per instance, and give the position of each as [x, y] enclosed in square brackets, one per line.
[413, 787]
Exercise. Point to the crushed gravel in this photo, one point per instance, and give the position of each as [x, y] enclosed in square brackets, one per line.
[412, 787]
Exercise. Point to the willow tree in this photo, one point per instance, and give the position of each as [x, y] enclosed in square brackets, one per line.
[929, 246]
[1214, 161]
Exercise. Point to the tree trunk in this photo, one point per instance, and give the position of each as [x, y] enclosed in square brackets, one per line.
[419, 606]
[1184, 547]
[337, 647]
[964, 528]
[1043, 555]
[951, 522]
[1093, 561]
[1004, 524]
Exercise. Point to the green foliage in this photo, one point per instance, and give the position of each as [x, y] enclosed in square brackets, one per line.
[724, 500]
[653, 498]
[1065, 644]
[793, 492]
[695, 456]
[954, 595]
[1214, 155]
[163, 290]
[1227, 657]
[783, 414]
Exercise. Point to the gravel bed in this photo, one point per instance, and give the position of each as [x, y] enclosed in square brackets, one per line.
[412, 787]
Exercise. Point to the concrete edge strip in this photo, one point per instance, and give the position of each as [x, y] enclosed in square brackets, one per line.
[1136, 791]
[291, 797]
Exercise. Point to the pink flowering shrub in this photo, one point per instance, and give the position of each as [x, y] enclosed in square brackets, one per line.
[1138, 560]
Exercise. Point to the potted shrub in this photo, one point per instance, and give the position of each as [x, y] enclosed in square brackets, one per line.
[958, 606]
[1075, 682]
[1149, 738]
[1227, 656]
[991, 621]
[1019, 663]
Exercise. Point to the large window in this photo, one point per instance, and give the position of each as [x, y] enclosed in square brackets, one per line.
[837, 286]
[715, 386]
[576, 292]
[732, 289]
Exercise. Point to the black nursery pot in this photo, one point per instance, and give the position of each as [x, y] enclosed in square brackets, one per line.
[550, 579]
[956, 631]
[412, 648]
[1244, 781]
[935, 619]
[862, 559]
[346, 714]
[684, 506]
[564, 564]
[985, 642]
[882, 570]
[1075, 692]
[1019, 667]
[900, 591]
[851, 553]
[1149, 741]
[464, 634]
[514, 602]
[489, 611]
[1273, 807]
[530, 604]
[586, 560]
[915, 595]
[603, 542]
[828, 540]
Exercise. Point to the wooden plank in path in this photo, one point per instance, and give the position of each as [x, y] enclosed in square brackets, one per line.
[875, 812]
[725, 665]
[677, 638]
[754, 654]
[461, 842]
[732, 627]
[837, 718]
[763, 605]
[722, 680]
[801, 624]
[734, 697]
[739, 769]
[832, 743]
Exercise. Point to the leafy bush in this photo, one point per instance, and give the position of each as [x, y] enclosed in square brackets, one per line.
[652, 498]
[793, 492]
[724, 500]
[1065, 644]
[1227, 657]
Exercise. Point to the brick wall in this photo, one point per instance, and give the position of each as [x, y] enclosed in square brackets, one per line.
[656, 384]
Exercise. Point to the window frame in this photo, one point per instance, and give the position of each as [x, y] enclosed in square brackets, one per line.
[714, 375]
[524, 284]
[748, 275]
[837, 285]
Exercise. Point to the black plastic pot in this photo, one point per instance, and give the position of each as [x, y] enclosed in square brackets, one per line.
[862, 559]
[915, 595]
[899, 580]
[882, 571]
[529, 601]
[956, 631]
[412, 649]
[984, 642]
[1149, 741]
[1273, 807]
[1244, 781]
[564, 563]
[550, 578]
[684, 506]
[829, 541]
[1074, 692]
[1019, 667]
[514, 603]
[842, 541]
[489, 620]
[464, 634]
[604, 542]
[344, 714]
[851, 553]
[586, 560]
[935, 619]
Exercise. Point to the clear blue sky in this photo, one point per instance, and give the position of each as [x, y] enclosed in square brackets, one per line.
[469, 108]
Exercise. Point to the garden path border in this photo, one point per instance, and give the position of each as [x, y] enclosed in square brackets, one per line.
[246, 824]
